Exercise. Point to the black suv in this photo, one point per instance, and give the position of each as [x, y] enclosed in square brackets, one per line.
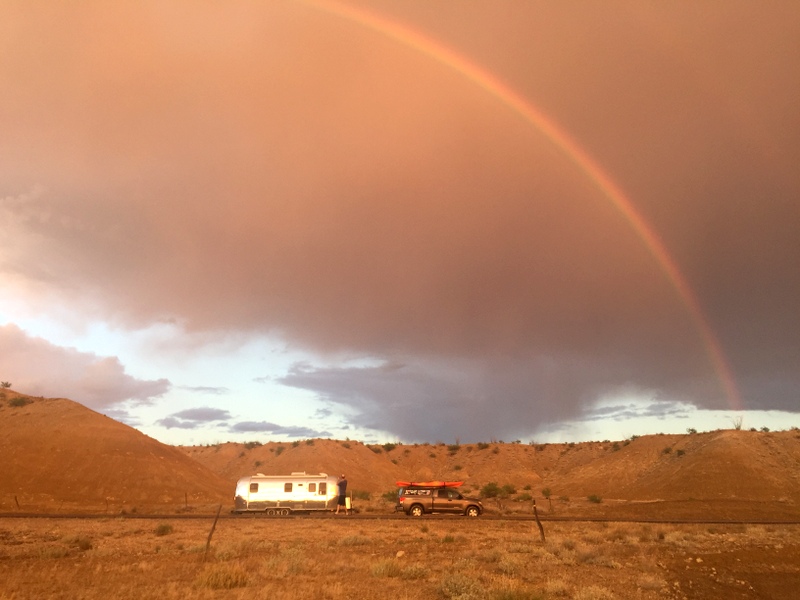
[416, 500]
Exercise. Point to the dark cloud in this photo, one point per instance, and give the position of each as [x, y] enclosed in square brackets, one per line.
[44, 369]
[290, 171]
[216, 391]
[193, 418]
[273, 429]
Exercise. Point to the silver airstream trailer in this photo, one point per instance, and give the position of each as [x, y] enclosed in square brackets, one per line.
[284, 494]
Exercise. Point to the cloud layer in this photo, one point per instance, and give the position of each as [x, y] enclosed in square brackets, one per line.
[281, 169]
[40, 368]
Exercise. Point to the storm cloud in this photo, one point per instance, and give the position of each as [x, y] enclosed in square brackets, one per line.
[281, 168]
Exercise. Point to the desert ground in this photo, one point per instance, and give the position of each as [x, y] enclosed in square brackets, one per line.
[91, 508]
[352, 557]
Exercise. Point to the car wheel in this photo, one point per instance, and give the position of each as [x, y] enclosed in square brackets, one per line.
[416, 511]
[472, 511]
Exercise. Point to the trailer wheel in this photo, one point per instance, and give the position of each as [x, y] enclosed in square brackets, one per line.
[284, 512]
[270, 512]
[416, 511]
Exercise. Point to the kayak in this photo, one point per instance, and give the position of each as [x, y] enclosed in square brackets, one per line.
[429, 483]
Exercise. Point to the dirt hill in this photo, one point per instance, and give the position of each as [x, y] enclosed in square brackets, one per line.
[59, 455]
[720, 474]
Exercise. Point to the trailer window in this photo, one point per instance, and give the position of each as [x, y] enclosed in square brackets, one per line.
[312, 487]
[323, 489]
[287, 487]
[253, 488]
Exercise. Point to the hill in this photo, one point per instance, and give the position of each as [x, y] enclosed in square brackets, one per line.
[722, 474]
[60, 455]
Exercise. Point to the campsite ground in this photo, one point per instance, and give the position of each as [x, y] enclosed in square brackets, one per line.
[344, 557]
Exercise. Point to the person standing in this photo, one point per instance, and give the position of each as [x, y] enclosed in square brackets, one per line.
[342, 485]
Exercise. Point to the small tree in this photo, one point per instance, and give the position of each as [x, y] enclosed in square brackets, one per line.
[546, 493]
[5, 384]
[737, 422]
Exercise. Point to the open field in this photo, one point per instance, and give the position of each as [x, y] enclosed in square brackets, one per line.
[345, 557]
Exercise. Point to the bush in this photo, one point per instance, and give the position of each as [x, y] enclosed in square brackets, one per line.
[251, 445]
[360, 495]
[222, 577]
[385, 568]
[490, 490]
[594, 498]
[389, 447]
[461, 587]
[482, 445]
[376, 449]
[19, 401]
[278, 450]
[453, 448]
[164, 529]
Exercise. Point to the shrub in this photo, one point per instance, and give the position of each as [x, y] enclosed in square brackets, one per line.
[389, 447]
[453, 448]
[390, 496]
[19, 401]
[680, 452]
[461, 587]
[526, 497]
[667, 450]
[295, 443]
[385, 568]
[278, 450]
[691, 431]
[164, 529]
[594, 498]
[251, 445]
[457, 468]
[482, 445]
[414, 572]
[376, 449]
[360, 495]
[346, 445]
[222, 577]
[490, 490]
[80, 542]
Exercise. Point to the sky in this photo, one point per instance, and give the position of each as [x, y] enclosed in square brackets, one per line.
[403, 220]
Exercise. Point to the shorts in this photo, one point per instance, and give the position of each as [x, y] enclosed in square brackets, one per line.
[341, 501]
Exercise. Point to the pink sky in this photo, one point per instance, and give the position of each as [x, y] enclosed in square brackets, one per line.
[243, 170]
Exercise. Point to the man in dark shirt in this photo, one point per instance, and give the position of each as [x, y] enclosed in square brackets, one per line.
[342, 485]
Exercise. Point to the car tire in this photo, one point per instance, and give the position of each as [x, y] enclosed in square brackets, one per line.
[472, 511]
[415, 511]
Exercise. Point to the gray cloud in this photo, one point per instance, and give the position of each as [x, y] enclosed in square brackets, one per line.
[216, 391]
[193, 418]
[274, 429]
[44, 369]
[297, 173]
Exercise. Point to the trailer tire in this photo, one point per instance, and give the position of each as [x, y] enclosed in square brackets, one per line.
[416, 511]
[270, 512]
[284, 512]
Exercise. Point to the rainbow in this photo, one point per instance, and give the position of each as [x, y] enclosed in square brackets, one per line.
[558, 137]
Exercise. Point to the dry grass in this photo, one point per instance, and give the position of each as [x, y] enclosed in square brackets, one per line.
[342, 558]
